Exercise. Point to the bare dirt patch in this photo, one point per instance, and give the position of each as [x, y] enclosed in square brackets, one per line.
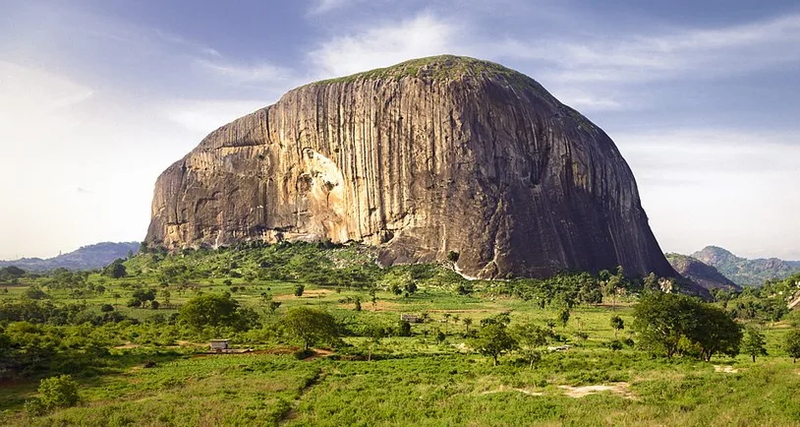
[378, 306]
[319, 353]
[312, 293]
[127, 345]
[728, 369]
[620, 388]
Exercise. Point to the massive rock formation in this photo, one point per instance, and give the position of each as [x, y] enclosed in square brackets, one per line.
[426, 157]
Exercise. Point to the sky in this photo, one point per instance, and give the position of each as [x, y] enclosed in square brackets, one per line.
[98, 97]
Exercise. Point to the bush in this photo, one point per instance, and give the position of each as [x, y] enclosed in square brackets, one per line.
[107, 308]
[298, 290]
[404, 329]
[58, 392]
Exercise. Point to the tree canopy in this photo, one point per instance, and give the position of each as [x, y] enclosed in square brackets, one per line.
[311, 326]
[678, 324]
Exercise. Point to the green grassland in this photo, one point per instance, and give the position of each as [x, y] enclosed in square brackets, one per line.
[144, 367]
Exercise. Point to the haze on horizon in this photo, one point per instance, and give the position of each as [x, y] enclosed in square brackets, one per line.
[98, 97]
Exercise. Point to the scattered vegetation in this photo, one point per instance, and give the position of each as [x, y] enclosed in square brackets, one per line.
[75, 349]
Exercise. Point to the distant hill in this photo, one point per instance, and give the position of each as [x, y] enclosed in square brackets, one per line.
[743, 271]
[86, 258]
[700, 273]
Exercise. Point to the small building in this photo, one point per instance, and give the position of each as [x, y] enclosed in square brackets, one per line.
[219, 345]
[411, 318]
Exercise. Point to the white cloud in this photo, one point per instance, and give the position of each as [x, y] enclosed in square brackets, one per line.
[385, 45]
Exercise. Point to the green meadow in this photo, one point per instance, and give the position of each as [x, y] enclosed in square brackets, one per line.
[147, 364]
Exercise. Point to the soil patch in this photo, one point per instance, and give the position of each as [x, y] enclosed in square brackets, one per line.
[728, 369]
[127, 345]
[380, 305]
[620, 388]
[312, 293]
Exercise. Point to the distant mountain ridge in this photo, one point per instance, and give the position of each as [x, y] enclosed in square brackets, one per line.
[700, 273]
[743, 271]
[86, 258]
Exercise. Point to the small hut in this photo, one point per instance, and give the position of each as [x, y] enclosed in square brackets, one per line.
[219, 346]
[411, 318]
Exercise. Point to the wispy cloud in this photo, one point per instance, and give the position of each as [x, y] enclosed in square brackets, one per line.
[386, 44]
[243, 73]
[319, 7]
[678, 52]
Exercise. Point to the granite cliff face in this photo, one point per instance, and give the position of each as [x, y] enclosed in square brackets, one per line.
[430, 156]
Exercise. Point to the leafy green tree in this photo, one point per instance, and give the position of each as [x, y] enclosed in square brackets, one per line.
[563, 316]
[754, 343]
[530, 337]
[215, 310]
[618, 324]
[116, 269]
[715, 332]
[467, 321]
[311, 326]
[792, 344]
[662, 320]
[411, 288]
[35, 292]
[298, 290]
[404, 329]
[494, 338]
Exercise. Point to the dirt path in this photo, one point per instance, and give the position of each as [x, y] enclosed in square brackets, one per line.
[292, 412]
[620, 388]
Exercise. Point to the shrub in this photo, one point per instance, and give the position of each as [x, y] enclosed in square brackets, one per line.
[58, 392]
[298, 290]
[107, 308]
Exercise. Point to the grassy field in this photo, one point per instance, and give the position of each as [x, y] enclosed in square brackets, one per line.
[156, 373]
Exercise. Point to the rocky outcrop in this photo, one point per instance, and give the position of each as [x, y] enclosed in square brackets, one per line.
[743, 271]
[700, 273]
[430, 156]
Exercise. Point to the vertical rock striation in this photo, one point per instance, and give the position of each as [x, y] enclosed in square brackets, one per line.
[429, 156]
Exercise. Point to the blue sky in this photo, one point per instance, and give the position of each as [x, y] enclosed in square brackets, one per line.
[97, 97]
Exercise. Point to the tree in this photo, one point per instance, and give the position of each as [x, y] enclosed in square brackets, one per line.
[493, 337]
[35, 292]
[298, 290]
[411, 288]
[792, 344]
[563, 316]
[618, 324]
[116, 269]
[530, 336]
[311, 326]
[715, 332]
[672, 323]
[215, 310]
[467, 322]
[754, 343]
[404, 329]
[165, 294]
